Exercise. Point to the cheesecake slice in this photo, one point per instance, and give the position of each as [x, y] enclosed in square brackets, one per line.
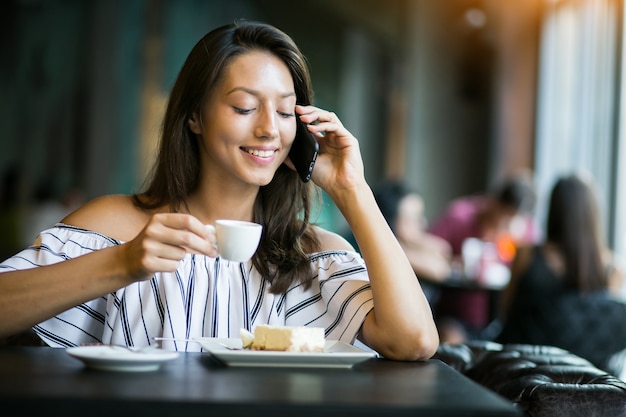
[284, 338]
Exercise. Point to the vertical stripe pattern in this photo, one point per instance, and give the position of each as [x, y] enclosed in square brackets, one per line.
[204, 297]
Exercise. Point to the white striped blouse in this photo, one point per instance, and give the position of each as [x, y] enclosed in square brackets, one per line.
[204, 297]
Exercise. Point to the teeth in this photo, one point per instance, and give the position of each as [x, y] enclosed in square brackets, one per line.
[262, 154]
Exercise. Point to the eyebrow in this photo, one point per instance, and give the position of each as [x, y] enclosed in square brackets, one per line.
[256, 93]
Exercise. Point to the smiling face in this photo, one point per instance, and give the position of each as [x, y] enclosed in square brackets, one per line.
[248, 123]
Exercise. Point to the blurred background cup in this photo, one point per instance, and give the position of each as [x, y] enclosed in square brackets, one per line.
[237, 240]
[471, 252]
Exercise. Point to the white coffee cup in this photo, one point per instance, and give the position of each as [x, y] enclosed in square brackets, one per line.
[237, 240]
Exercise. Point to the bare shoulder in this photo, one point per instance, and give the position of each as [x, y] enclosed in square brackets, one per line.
[331, 241]
[115, 216]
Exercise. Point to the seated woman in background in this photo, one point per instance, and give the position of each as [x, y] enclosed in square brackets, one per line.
[429, 255]
[563, 292]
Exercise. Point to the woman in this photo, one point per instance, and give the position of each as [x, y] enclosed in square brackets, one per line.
[124, 269]
[562, 292]
[403, 208]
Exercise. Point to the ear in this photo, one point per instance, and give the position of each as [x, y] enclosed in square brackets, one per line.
[194, 124]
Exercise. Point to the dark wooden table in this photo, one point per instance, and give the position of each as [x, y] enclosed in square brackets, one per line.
[48, 382]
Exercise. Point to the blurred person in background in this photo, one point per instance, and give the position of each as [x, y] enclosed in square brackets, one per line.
[506, 212]
[503, 218]
[563, 292]
[430, 255]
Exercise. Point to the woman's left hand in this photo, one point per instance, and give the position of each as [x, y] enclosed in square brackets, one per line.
[401, 325]
[339, 165]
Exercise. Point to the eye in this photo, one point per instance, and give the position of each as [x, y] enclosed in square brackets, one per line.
[242, 111]
[285, 114]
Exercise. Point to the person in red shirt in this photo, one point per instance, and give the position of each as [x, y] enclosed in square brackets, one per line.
[502, 217]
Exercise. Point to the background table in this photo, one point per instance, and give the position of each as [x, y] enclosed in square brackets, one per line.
[47, 381]
[473, 303]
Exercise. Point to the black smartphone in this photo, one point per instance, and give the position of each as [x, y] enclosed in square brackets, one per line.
[304, 151]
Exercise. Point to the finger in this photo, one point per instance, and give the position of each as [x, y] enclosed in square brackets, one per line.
[145, 256]
[328, 116]
[193, 243]
[309, 111]
[182, 221]
[161, 251]
[155, 264]
[309, 114]
[159, 256]
[324, 128]
[182, 235]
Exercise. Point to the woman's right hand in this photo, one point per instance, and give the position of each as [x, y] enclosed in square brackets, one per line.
[164, 242]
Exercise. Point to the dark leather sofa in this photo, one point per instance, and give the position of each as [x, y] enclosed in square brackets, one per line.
[543, 381]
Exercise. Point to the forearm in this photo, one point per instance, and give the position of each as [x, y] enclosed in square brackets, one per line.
[30, 296]
[402, 326]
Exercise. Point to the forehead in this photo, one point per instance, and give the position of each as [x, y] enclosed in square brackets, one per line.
[257, 70]
[411, 204]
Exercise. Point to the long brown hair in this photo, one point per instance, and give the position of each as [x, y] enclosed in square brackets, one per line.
[573, 225]
[283, 206]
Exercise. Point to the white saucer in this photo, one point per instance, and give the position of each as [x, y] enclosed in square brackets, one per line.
[112, 358]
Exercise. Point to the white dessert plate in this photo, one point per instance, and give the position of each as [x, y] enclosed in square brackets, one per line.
[113, 358]
[336, 354]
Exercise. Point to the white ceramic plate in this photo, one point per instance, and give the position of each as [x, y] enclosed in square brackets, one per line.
[112, 358]
[336, 355]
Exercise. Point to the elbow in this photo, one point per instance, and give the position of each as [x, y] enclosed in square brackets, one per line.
[423, 347]
[403, 340]
[420, 346]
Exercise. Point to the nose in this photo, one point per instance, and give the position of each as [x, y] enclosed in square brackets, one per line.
[267, 125]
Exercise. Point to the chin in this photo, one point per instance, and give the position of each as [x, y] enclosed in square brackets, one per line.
[259, 178]
[260, 181]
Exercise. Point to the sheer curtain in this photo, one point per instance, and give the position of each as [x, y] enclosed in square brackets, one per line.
[619, 213]
[578, 102]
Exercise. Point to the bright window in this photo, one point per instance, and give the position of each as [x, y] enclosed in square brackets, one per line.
[577, 120]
